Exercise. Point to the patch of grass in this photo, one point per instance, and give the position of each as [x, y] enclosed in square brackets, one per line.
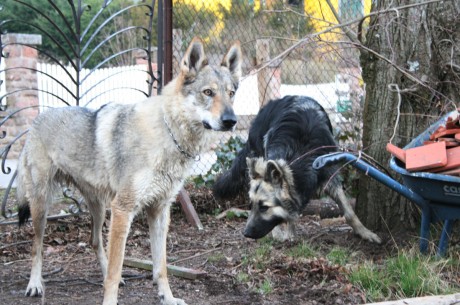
[265, 244]
[242, 277]
[245, 260]
[417, 275]
[258, 260]
[406, 275]
[338, 256]
[216, 211]
[261, 255]
[266, 287]
[370, 278]
[236, 214]
[302, 250]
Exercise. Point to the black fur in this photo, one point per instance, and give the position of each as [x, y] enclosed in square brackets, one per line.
[294, 128]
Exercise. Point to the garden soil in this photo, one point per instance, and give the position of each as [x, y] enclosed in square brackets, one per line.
[236, 270]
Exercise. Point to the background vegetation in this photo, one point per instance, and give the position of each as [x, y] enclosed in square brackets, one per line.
[63, 27]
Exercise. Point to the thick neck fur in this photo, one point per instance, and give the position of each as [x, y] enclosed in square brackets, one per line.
[184, 122]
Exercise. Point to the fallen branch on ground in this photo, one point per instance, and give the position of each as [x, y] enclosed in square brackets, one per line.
[183, 272]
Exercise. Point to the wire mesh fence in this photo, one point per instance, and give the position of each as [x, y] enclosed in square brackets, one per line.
[290, 48]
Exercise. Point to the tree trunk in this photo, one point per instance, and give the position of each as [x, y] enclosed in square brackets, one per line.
[424, 42]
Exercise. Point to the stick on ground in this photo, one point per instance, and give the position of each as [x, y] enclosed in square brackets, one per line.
[183, 272]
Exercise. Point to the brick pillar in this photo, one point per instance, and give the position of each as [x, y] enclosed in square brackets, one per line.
[20, 58]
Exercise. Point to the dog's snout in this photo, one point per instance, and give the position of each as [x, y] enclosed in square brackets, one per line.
[229, 123]
[229, 119]
[247, 233]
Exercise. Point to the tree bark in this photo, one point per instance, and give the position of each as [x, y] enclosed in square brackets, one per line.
[423, 42]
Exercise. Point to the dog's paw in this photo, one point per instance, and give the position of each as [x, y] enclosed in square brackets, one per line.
[370, 236]
[284, 232]
[34, 289]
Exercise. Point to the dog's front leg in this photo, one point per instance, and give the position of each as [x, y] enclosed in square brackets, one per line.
[337, 194]
[284, 232]
[119, 229]
[158, 219]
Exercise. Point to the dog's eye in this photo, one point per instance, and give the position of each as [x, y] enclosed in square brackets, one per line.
[207, 92]
[262, 208]
[231, 93]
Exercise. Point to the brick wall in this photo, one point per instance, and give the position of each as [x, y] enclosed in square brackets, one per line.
[20, 77]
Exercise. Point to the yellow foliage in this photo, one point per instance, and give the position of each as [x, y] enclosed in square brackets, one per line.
[323, 18]
[319, 12]
[214, 6]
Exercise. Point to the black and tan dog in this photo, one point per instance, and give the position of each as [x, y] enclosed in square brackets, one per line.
[276, 163]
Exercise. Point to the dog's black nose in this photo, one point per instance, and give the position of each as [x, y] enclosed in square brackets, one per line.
[229, 123]
[248, 233]
[228, 118]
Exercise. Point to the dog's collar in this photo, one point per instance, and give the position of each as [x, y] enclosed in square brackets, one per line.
[196, 158]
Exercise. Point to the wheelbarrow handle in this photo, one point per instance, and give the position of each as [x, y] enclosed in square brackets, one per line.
[369, 170]
[332, 158]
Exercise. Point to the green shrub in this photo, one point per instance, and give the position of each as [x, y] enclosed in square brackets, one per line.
[225, 155]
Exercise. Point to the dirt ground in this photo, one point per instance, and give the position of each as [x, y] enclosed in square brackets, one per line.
[237, 272]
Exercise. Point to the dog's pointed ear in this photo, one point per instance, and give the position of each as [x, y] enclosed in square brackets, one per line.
[233, 61]
[274, 173]
[194, 58]
[251, 163]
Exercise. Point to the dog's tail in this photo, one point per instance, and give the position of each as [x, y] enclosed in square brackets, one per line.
[23, 213]
[23, 203]
[24, 207]
[234, 181]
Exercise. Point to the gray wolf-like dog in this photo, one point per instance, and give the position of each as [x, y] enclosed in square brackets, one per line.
[275, 164]
[129, 157]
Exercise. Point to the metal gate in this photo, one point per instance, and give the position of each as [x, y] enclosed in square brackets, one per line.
[79, 38]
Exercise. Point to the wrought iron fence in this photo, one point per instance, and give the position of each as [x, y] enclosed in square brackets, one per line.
[78, 38]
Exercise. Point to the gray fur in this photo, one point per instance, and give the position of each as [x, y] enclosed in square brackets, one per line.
[124, 157]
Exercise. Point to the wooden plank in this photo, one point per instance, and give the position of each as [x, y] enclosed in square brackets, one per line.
[189, 210]
[450, 142]
[183, 272]
[397, 152]
[452, 172]
[439, 129]
[445, 132]
[428, 300]
[426, 157]
[453, 160]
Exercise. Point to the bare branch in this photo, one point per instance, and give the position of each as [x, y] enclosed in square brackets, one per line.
[310, 37]
[350, 34]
